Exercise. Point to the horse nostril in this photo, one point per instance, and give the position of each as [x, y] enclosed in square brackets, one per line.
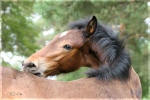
[31, 65]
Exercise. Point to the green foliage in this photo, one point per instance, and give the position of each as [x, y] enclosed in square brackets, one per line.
[15, 66]
[129, 15]
[73, 75]
[18, 31]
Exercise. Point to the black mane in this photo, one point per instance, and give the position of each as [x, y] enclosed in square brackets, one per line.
[110, 51]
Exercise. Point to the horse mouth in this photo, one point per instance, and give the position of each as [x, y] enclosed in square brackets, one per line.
[38, 74]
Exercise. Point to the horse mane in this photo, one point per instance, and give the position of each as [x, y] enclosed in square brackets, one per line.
[114, 60]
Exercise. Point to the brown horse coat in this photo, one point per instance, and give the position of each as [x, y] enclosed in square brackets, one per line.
[17, 84]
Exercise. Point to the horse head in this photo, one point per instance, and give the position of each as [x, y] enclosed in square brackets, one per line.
[67, 52]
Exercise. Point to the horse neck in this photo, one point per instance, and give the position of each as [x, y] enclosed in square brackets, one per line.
[90, 60]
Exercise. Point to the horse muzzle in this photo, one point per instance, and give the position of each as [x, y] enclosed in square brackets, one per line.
[31, 68]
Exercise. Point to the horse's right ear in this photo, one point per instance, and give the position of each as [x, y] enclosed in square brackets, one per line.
[91, 26]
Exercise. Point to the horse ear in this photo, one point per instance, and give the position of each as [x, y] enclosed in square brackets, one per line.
[91, 26]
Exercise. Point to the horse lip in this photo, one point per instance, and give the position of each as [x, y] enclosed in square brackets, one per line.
[38, 74]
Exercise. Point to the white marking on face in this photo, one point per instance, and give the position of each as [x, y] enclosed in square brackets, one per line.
[63, 34]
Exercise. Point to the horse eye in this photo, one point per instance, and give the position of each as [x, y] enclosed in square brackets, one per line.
[67, 47]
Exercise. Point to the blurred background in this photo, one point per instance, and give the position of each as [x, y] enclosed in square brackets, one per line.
[26, 26]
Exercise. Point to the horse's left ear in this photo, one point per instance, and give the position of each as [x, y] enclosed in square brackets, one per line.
[91, 26]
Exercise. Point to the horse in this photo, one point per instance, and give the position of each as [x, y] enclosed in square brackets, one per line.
[20, 85]
[86, 43]
[89, 44]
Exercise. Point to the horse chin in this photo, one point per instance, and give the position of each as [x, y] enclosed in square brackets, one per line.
[51, 73]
